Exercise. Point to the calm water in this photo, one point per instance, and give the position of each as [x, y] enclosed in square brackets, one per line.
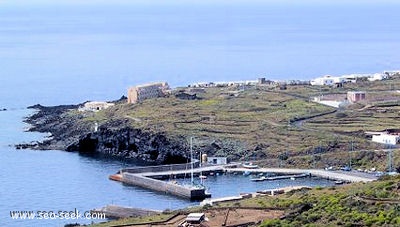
[72, 51]
[233, 185]
[57, 180]
[54, 52]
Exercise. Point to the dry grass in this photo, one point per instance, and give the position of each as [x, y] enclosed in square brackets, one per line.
[259, 118]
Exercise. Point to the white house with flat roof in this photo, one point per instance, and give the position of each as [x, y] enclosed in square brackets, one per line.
[385, 138]
[325, 80]
[377, 77]
[95, 106]
[217, 160]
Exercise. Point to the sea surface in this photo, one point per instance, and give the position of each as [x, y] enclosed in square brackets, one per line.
[71, 51]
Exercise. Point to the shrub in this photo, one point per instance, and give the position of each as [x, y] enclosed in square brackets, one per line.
[271, 223]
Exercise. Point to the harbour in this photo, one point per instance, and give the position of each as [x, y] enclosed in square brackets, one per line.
[165, 178]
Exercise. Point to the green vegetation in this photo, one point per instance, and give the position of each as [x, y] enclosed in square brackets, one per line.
[261, 123]
[361, 204]
[371, 204]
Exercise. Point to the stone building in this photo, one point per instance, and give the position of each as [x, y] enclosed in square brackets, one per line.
[147, 91]
[355, 96]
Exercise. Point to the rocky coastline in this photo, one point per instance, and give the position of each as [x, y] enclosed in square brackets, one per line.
[114, 138]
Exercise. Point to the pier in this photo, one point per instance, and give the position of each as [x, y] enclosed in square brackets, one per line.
[283, 177]
[151, 177]
[350, 176]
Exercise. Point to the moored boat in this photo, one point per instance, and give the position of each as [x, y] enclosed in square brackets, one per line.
[249, 165]
[259, 179]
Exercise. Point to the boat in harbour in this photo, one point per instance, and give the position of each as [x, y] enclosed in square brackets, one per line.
[259, 179]
[249, 165]
[339, 182]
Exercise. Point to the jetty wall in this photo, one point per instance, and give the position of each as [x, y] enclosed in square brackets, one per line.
[161, 168]
[163, 186]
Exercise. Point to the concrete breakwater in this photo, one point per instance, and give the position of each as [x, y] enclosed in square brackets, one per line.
[149, 177]
[146, 177]
[190, 192]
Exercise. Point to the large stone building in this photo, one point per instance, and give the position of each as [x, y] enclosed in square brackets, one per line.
[147, 91]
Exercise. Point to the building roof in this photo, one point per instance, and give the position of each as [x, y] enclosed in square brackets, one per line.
[195, 217]
[152, 84]
[356, 92]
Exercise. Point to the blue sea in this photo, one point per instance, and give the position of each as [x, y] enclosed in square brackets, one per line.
[71, 51]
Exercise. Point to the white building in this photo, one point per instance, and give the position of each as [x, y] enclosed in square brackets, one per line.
[325, 80]
[217, 160]
[331, 103]
[377, 77]
[95, 106]
[386, 138]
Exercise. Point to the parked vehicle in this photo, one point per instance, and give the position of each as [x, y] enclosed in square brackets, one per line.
[346, 168]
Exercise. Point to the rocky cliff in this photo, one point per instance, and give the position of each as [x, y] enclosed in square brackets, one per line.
[114, 138]
[128, 142]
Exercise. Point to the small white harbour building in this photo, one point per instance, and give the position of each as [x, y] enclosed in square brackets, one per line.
[386, 138]
[95, 106]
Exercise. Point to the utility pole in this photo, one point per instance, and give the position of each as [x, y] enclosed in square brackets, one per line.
[350, 152]
[191, 159]
[390, 159]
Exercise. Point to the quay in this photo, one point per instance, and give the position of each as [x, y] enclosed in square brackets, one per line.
[151, 177]
[283, 177]
[346, 176]
[270, 192]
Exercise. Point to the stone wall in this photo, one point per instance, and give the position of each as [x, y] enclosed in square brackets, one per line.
[163, 186]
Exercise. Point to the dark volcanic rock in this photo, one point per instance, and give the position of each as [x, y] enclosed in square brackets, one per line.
[114, 138]
[71, 131]
[64, 130]
[128, 142]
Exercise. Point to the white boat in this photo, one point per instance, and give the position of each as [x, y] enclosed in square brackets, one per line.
[259, 179]
[249, 165]
[339, 182]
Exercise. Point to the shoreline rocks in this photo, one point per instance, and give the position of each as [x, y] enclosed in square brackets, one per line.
[71, 131]
[114, 138]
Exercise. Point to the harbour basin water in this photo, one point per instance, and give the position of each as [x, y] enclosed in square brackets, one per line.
[63, 54]
[58, 180]
[224, 185]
